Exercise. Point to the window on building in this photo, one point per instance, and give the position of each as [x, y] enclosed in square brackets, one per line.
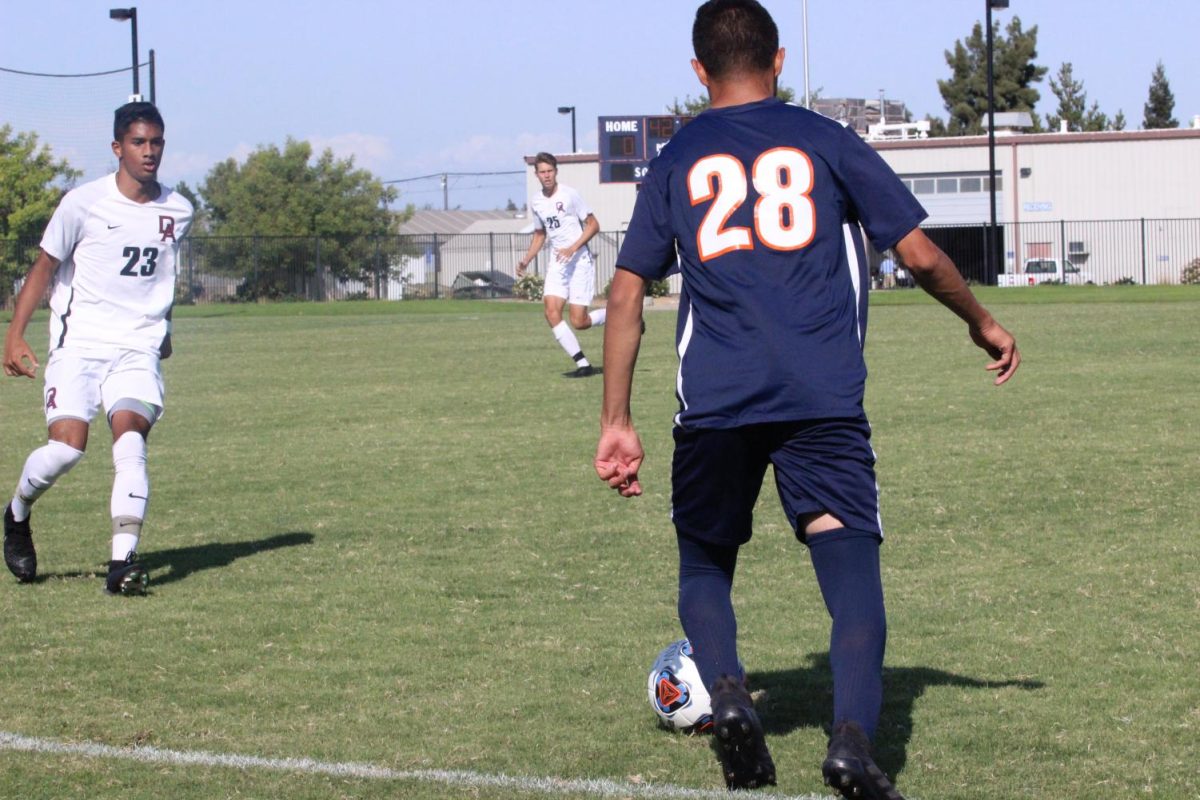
[923, 186]
[947, 185]
[970, 184]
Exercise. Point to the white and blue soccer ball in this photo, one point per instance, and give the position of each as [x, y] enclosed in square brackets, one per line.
[677, 694]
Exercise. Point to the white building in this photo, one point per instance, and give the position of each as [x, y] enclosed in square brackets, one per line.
[1125, 203]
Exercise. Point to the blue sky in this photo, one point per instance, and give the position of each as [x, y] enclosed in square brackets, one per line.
[411, 88]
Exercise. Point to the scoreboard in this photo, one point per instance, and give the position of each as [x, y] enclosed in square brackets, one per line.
[629, 144]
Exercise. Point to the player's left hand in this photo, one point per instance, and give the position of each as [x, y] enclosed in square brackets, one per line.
[618, 457]
[563, 255]
[165, 349]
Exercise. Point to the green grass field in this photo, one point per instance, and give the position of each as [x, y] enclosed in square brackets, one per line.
[376, 538]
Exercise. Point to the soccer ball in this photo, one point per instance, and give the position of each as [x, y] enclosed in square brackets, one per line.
[677, 694]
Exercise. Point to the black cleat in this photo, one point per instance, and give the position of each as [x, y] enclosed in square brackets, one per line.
[19, 554]
[583, 372]
[849, 768]
[127, 577]
[738, 735]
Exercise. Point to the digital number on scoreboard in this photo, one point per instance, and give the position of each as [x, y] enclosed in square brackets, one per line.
[629, 144]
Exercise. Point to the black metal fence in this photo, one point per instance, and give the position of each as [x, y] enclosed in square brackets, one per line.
[262, 268]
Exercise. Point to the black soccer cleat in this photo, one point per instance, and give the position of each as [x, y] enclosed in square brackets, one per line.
[128, 577]
[738, 736]
[586, 371]
[19, 554]
[849, 768]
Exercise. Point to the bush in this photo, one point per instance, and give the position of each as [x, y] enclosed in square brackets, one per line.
[529, 287]
[658, 289]
[653, 289]
[1125, 281]
[1191, 273]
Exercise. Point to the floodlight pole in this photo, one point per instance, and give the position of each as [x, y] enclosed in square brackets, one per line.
[570, 110]
[807, 93]
[989, 265]
[131, 15]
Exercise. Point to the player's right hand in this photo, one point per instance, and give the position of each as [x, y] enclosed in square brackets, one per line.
[19, 359]
[1001, 346]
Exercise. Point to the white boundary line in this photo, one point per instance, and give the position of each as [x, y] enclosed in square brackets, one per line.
[453, 778]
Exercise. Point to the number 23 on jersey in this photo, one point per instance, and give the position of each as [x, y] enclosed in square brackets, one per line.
[785, 217]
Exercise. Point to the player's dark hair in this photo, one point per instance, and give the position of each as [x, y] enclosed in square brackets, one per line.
[126, 115]
[545, 158]
[733, 37]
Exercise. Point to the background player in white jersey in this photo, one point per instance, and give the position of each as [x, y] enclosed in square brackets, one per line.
[110, 250]
[560, 214]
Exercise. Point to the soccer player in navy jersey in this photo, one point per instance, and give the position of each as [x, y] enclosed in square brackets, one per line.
[763, 203]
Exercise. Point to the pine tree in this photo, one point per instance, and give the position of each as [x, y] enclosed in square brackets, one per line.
[1072, 105]
[1014, 73]
[1161, 104]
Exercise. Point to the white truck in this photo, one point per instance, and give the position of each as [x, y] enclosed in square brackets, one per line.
[1045, 270]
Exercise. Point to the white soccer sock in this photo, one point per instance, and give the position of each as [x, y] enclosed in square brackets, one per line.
[43, 467]
[124, 543]
[131, 482]
[566, 339]
[598, 315]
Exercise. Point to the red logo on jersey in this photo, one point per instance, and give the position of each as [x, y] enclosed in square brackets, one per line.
[166, 226]
[50, 394]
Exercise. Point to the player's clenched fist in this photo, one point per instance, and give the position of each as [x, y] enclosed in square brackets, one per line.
[618, 458]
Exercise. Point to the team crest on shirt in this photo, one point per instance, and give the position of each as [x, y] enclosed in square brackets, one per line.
[560, 208]
[166, 226]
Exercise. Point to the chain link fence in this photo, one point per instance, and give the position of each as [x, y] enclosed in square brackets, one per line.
[216, 269]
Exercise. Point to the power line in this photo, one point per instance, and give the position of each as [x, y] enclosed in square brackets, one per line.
[76, 75]
[444, 175]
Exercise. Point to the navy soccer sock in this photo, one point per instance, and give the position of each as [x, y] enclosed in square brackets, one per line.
[705, 609]
[847, 565]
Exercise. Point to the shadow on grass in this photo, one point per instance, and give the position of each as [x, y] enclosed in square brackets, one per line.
[803, 698]
[596, 372]
[183, 561]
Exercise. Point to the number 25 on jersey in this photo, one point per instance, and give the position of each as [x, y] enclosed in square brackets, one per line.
[785, 217]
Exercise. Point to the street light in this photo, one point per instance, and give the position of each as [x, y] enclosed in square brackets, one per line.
[989, 265]
[570, 110]
[131, 15]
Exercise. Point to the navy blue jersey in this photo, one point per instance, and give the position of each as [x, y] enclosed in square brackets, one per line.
[760, 205]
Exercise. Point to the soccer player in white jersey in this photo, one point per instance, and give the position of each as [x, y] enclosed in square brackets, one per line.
[560, 214]
[110, 251]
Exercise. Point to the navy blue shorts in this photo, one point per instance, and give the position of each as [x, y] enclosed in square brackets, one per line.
[820, 466]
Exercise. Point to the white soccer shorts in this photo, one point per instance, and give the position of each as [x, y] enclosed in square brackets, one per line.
[78, 382]
[574, 280]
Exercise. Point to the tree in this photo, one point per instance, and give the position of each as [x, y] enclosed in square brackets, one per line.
[332, 215]
[1161, 104]
[1072, 105]
[31, 184]
[199, 218]
[1014, 74]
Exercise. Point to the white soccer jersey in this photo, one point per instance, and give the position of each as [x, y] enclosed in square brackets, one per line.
[561, 216]
[116, 280]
